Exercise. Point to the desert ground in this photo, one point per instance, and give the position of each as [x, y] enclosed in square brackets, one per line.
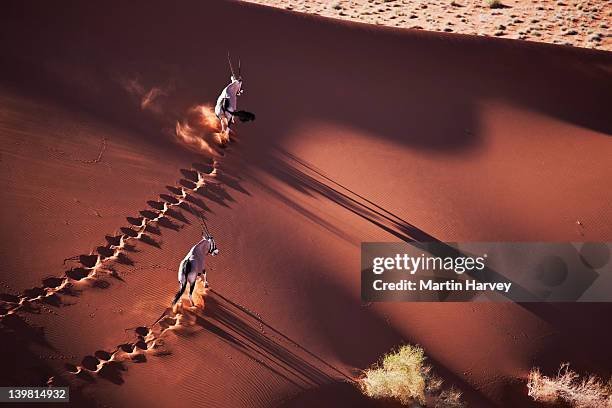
[576, 23]
[108, 156]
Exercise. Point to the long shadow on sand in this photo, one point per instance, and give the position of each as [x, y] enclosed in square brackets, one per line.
[234, 324]
[307, 179]
[260, 341]
[344, 323]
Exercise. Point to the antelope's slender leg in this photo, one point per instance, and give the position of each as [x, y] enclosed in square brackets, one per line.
[191, 288]
[228, 130]
[224, 134]
[182, 287]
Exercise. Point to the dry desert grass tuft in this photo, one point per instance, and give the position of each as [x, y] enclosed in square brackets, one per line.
[494, 4]
[589, 392]
[403, 375]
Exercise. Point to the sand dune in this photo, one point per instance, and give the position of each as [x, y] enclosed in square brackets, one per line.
[363, 133]
[575, 23]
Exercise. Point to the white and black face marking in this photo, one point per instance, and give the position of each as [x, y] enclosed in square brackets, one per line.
[212, 247]
[240, 90]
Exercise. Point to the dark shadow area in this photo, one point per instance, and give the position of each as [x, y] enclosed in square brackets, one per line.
[190, 175]
[303, 211]
[197, 202]
[514, 394]
[230, 181]
[150, 214]
[105, 251]
[219, 190]
[305, 178]
[208, 194]
[158, 205]
[579, 338]
[337, 394]
[204, 168]
[169, 199]
[112, 370]
[134, 221]
[167, 223]
[152, 229]
[187, 184]
[245, 326]
[368, 75]
[22, 347]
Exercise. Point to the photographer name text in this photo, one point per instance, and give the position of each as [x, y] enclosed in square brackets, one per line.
[412, 265]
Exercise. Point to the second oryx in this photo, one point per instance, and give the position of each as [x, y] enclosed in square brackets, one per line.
[193, 264]
[226, 108]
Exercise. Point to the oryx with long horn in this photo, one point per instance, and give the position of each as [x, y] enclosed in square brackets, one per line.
[226, 108]
[192, 265]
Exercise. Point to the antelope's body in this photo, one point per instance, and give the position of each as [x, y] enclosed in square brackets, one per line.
[226, 108]
[227, 103]
[194, 264]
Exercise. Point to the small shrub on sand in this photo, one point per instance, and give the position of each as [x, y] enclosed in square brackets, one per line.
[589, 392]
[494, 4]
[403, 375]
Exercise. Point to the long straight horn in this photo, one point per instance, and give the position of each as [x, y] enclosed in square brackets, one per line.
[206, 227]
[201, 224]
[230, 64]
[239, 73]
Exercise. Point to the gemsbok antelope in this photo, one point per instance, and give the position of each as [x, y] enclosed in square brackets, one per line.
[193, 264]
[226, 108]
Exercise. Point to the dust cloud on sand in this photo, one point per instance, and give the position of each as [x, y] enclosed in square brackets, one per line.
[201, 130]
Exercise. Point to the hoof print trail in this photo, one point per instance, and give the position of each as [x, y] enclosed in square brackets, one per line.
[140, 228]
[110, 365]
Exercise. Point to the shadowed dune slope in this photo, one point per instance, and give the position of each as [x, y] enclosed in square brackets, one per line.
[362, 134]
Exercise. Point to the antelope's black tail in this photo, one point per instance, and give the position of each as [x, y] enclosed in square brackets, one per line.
[178, 295]
[185, 269]
[244, 116]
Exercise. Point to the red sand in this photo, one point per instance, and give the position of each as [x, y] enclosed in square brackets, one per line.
[465, 138]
